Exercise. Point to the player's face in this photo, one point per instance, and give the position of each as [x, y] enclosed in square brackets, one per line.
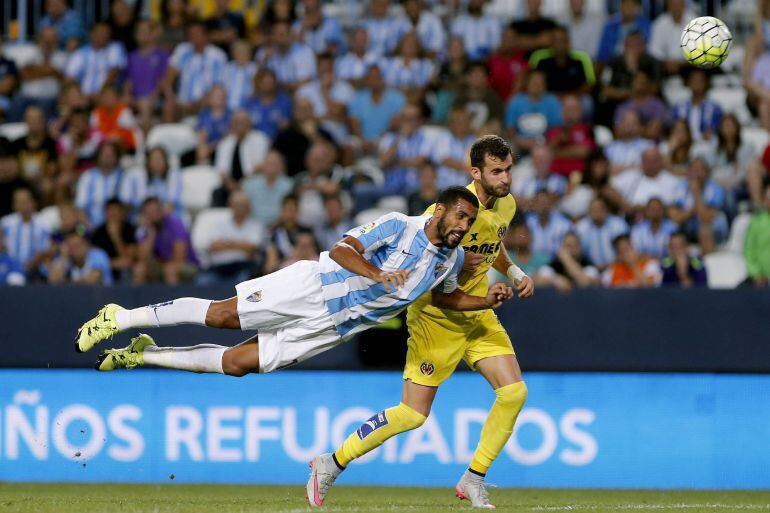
[455, 222]
[495, 176]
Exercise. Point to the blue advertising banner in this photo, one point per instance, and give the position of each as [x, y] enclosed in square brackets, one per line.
[577, 430]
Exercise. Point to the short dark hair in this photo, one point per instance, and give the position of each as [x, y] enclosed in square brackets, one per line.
[147, 201]
[489, 145]
[289, 198]
[620, 238]
[678, 233]
[113, 201]
[451, 195]
[477, 64]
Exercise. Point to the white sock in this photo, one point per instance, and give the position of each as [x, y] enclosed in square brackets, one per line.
[186, 310]
[200, 358]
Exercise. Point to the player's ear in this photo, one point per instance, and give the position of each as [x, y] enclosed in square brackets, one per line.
[439, 210]
[476, 173]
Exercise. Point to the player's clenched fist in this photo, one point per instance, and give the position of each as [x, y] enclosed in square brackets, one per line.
[393, 280]
[498, 293]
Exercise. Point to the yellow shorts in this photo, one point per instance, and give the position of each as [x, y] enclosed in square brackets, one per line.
[436, 345]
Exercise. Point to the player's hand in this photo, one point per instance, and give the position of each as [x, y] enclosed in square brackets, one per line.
[393, 280]
[471, 261]
[498, 293]
[526, 287]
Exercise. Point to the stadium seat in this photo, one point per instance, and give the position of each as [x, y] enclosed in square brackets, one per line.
[602, 135]
[50, 217]
[738, 231]
[175, 138]
[674, 91]
[732, 99]
[394, 204]
[206, 222]
[369, 215]
[20, 53]
[434, 133]
[198, 183]
[726, 269]
[13, 131]
[755, 136]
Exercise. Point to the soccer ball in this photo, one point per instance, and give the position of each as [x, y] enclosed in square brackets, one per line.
[706, 42]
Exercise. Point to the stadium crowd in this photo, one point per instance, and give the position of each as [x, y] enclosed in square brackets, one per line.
[301, 125]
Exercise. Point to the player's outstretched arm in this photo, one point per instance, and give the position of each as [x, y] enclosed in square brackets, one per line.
[349, 254]
[460, 301]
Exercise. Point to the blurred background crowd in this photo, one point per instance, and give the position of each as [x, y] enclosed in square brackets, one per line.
[207, 141]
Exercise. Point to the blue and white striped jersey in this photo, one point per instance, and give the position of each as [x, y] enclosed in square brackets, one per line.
[597, 240]
[654, 244]
[239, 82]
[481, 35]
[393, 242]
[198, 72]
[627, 152]
[23, 240]
[352, 67]
[385, 33]
[327, 34]
[418, 73]
[297, 65]
[548, 238]
[89, 67]
[95, 188]
[530, 185]
[429, 31]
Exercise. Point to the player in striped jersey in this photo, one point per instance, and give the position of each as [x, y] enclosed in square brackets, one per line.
[372, 275]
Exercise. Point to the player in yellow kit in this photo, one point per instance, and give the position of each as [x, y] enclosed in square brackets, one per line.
[439, 339]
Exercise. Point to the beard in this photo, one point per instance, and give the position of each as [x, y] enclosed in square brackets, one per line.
[498, 191]
[445, 234]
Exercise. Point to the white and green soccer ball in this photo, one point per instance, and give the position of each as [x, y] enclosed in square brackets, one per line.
[706, 42]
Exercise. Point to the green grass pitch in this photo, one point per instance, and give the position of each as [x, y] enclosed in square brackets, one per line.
[172, 498]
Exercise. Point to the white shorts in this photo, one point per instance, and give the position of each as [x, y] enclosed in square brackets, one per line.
[288, 311]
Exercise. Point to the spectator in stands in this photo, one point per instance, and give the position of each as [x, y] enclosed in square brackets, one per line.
[234, 247]
[165, 252]
[518, 242]
[79, 262]
[653, 181]
[67, 23]
[373, 109]
[71, 100]
[548, 226]
[77, 147]
[321, 178]
[384, 31]
[702, 115]
[572, 142]
[678, 148]
[284, 233]
[174, 17]
[305, 248]
[535, 30]
[733, 155]
[651, 109]
[96, 64]
[757, 246]
[26, 236]
[447, 82]
[616, 84]
[106, 180]
[238, 155]
[585, 28]
[478, 98]
[758, 175]
[113, 120]
[408, 69]
[530, 114]
[160, 180]
[758, 81]
[427, 193]
[526, 189]
[597, 231]
[294, 141]
[69, 218]
[41, 73]
[625, 151]
[292, 62]
[452, 151]
[665, 35]
[680, 269]
[9, 81]
[402, 152]
[569, 268]
[335, 225]
[213, 123]
[616, 29]
[698, 207]
[117, 237]
[631, 270]
[480, 32]
[37, 155]
[595, 184]
[507, 65]
[427, 26]
[122, 22]
[225, 26]
[144, 73]
[195, 66]
[651, 234]
[567, 71]
[326, 92]
[10, 176]
[239, 75]
[270, 108]
[352, 66]
[321, 33]
[11, 270]
[267, 188]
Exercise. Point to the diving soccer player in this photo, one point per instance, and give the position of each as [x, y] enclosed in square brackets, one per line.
[440, 338]
[375, 272]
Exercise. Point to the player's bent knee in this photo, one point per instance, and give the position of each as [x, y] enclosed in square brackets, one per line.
[515, 393]
[223, 314]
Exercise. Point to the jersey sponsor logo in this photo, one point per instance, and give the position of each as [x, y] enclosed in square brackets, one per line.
[474, 236]
[367, 228]
[368, 427]
[256, 297]
[501, 231]
[487, 248]
[427, 368]
[439, 269]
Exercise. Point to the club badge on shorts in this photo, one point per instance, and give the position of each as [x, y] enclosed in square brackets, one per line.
[255, 297]
[427, 368]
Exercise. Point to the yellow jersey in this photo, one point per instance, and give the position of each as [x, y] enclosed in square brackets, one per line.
[486, 238]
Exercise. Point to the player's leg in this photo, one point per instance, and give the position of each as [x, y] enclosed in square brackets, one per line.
[410, 413]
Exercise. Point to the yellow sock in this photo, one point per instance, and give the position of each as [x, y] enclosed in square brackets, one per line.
[375, 431]
[499, 425]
